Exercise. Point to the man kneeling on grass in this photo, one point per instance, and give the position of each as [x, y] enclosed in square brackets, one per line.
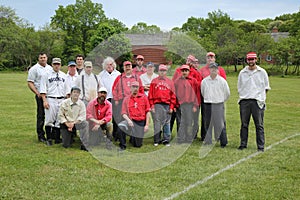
[136, 112]
[72, 117]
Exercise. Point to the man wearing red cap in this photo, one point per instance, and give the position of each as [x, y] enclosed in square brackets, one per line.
[253, 84]
[204, 72]
[136, 112]
[121, 89]
[162, 100]
[139, 69]
[191, 61]
[186, 89]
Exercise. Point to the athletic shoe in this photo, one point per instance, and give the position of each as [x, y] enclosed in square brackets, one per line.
[155, 144]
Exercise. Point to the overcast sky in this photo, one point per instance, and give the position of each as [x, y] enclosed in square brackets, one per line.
[166, 14]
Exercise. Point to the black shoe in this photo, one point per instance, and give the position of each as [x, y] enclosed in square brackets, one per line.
[242, 147]
[82, 147]
[58, 141]
[42, 139]
[260, 149]
[122, 149]
[49, 142]
[223, 146]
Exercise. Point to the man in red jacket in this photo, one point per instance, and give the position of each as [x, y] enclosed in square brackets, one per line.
[136, 112]
[162, 100]
[186, 88]
[204, 72]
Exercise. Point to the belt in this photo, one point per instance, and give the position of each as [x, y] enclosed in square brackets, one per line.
[55, 97]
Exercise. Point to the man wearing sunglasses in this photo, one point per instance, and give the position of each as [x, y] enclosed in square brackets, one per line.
[253, 84]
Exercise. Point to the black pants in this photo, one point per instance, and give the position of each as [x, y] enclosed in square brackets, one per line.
[40, 117]
[117, 118]
[136, 134]
[248, 108]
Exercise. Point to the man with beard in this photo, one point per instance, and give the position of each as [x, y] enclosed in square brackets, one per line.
[253, 84]
[99, 114]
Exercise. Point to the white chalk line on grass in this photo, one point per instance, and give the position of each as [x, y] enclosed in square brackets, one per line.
[204, 180]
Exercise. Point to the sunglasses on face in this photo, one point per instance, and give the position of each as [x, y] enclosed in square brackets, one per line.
[251, 59]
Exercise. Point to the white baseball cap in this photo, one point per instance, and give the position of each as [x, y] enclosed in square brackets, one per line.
[102, 89]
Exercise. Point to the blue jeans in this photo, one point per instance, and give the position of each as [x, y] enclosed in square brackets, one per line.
[249, 107]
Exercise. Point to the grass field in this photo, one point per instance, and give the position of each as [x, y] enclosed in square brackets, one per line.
[31, 170]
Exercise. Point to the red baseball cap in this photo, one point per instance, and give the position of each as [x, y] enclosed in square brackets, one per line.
[127, 63]
[191, 58]
[210, 54]
[184, 67]
[251, 55]
[140, 57]
[162, 67]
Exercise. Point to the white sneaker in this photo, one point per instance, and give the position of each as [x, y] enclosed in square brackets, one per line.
[168, 144]
[155, 144]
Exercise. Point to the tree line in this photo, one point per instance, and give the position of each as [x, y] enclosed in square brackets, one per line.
[81, 27]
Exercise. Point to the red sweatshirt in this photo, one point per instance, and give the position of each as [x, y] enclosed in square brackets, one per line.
[162, 90]
[187, 90]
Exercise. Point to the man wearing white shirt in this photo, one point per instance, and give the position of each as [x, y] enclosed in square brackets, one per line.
[35, 74]
[253, 84]
[88, 83]
[71, 75]
[215, 92]
[147, 77]
[108, 75]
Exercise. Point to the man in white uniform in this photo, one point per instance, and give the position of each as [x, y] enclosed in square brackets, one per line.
[53, 92]
[35, 74]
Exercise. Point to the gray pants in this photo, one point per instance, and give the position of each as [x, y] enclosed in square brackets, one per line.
[83, 128]
[185, 132]
[214, 120]
[249, 107]
[162, 119]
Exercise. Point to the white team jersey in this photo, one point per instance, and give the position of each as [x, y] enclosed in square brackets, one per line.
[54, 84]
[35, 74]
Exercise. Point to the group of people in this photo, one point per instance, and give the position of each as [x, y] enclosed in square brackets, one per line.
[113, 105]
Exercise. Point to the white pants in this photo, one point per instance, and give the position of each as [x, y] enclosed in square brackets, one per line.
[51, 114]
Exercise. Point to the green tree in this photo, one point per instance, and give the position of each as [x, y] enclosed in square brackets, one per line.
[78, 21]
[143, 28]
[117, 46]
[180, 46]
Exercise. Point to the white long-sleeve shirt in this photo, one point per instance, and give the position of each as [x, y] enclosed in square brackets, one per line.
[107, 80]
[215, 90]
[253, 84]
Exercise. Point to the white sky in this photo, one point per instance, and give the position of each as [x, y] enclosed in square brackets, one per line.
[166, 14]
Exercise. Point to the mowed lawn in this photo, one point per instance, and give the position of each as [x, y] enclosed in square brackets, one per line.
[31, 170]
